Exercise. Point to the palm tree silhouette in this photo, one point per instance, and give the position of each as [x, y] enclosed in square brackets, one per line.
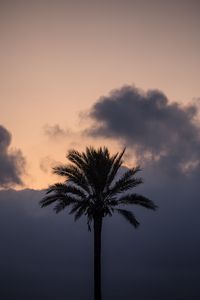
[91, 189]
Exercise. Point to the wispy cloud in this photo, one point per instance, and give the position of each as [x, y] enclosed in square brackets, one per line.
[47, 163]
[56, 132]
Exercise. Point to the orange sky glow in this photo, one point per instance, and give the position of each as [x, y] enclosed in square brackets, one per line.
[59, 57]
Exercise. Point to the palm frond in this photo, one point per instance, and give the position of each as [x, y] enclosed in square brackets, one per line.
[108, 211]
[60, 198]
[89, 222]
[97, 167]
[138, 200]
[61, 205]
[66, 189]
[116, 164]
[126, 182]
[129, 216]
[79, 212]
[75, 207]
[47, 200]
[77, 158]
[74, 175]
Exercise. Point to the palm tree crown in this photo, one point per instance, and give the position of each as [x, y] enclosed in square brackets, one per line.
[91, 187]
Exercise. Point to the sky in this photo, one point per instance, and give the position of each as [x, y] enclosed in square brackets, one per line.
[114, 73]
[58, 58]
[48, 256]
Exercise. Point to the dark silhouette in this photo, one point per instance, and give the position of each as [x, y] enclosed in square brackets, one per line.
[91, 189]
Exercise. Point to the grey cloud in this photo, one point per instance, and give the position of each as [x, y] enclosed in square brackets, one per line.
[12, 162]
[159, 131]
[47, 256]
[56, 132]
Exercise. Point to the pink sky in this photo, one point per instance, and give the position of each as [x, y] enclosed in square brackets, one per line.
[58, 57]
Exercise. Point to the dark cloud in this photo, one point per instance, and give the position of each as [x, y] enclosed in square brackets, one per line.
[12, 162]
[47, 256]
[159, 131]
[56, 132]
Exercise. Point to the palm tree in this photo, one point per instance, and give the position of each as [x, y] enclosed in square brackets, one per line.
[92, 189]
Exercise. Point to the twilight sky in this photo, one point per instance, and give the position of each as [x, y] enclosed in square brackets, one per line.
[114, 73]
[59, 57]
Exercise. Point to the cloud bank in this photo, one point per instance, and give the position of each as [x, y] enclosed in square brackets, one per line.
[12, 162]
[47, 256]
[158, 131]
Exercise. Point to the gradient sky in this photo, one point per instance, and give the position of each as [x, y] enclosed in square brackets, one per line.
[59, 62]
[58, 57]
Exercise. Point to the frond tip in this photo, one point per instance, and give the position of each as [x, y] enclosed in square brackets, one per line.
[129, 216]
[137, 200]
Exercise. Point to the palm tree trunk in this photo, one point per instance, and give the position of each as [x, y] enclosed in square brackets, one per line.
[97, 257]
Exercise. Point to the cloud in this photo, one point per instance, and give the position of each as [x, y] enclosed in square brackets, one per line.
[56, 132]
[160, 132]
[47, 163]
[12, 162]
[47, 256]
